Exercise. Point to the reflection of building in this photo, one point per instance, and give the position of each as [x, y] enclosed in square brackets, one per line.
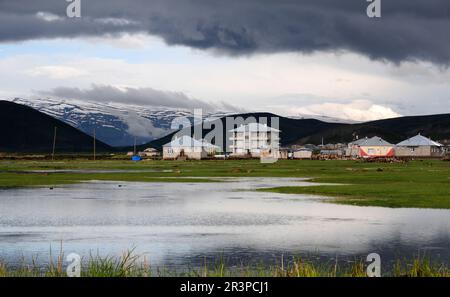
[188, 148]
[374, 147]
[255, 140]
[419, 146]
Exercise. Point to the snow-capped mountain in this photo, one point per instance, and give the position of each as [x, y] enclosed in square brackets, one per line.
[120, 124]
[115, 124]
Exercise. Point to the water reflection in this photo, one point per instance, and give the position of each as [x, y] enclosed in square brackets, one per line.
[179, 223]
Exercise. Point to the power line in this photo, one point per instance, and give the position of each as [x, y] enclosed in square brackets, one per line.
[54, 143]
[94, 145]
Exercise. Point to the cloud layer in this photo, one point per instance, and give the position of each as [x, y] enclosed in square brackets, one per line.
[408, 29]
[135, 96]
[358, 110]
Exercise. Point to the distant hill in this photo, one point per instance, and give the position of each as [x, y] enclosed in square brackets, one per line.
[393, 130]
[305, 131]
[24, 129]
[292, 129]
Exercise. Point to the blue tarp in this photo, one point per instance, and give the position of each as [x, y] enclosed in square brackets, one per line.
[136, 158]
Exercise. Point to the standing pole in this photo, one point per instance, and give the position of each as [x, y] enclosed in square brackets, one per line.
[54, 143]
[134, 150]
[94, 145]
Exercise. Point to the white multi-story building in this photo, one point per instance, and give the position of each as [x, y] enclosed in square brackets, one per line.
[254, 140]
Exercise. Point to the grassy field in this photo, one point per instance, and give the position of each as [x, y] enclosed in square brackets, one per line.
[424, 184]
[130, 265]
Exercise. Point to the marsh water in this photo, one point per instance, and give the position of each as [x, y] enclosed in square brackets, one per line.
[179, 225]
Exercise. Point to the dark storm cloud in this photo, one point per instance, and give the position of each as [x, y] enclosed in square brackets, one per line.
[408, 29]
[139, 96]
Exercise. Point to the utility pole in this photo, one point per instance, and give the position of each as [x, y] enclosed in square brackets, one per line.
[94, 145]
[134, 150]
[54, 143]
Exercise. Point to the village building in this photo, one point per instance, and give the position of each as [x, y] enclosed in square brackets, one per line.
[284, 154]
[302, 154]
[312, 147]
[186, 147]
[353, 149]
[419, 146]
[374, 147]
[332, 146]
[332, 153]
[308, 146]
[149, 153]
[255, 140]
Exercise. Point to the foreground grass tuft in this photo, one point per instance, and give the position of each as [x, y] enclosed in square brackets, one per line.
[130, 265]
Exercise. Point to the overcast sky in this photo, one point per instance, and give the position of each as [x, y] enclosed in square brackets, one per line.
[322, 57]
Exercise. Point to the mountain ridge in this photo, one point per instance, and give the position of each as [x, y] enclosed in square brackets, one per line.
[311, 131]
[118, 124]
[34, 132]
